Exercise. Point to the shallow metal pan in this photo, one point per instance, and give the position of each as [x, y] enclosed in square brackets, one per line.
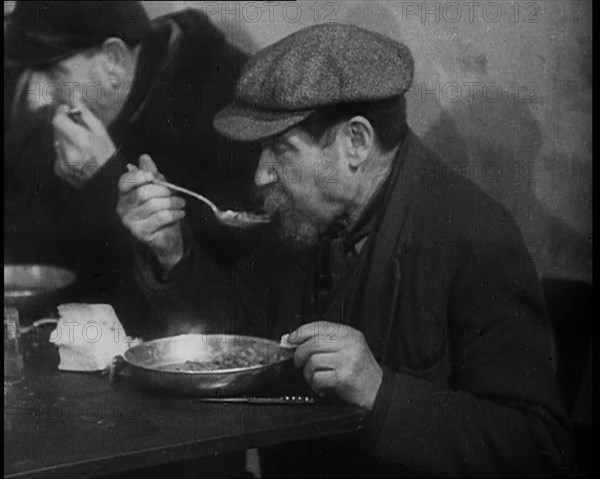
[146, 362]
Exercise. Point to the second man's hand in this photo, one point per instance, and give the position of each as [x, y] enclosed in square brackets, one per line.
[152, 213]
[82, 147]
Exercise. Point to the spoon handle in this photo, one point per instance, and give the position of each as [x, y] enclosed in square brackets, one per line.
[171, 186]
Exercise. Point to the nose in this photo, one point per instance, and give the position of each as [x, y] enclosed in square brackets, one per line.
[266, 172]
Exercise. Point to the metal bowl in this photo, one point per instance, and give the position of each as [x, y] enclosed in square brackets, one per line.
[33, 288]
[147, 361]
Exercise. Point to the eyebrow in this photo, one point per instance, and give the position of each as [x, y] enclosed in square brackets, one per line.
[270, 143]
[288, 144]
[61, 68]
[54, 68]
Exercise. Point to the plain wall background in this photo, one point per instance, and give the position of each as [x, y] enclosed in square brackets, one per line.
[502, 92]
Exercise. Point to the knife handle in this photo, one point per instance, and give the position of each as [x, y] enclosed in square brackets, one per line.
[299, 399]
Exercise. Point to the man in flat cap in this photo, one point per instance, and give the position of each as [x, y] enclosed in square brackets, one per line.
[89, 87]
[404, 289]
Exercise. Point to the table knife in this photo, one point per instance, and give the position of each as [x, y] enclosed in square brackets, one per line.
[264, 400]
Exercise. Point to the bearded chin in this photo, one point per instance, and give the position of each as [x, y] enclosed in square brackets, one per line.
[298, 233]
[295, 229]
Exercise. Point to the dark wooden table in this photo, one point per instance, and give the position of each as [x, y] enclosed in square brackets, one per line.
[64, 424]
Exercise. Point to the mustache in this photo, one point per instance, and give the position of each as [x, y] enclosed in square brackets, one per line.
[272, 198]
[296, 228]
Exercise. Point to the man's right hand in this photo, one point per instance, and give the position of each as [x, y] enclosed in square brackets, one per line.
[152, 213]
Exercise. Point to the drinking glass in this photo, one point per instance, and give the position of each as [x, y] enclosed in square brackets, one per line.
[13, 355]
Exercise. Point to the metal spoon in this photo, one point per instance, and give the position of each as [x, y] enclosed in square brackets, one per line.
[37, 324]
[235, 219]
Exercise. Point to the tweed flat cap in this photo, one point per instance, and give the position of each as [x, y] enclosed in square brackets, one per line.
[41, 33]
[323, 65]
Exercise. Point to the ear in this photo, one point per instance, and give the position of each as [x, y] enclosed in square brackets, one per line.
[118, 59]
[359, 141]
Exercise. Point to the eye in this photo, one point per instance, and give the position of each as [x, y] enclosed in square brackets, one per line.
[47, 72]
[278, 148]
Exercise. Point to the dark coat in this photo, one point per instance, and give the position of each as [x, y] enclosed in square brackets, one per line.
[186, 73]
[449, 302]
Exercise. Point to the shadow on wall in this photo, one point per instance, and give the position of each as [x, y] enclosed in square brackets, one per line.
[495, 141]
[493, 138]
[238, 36]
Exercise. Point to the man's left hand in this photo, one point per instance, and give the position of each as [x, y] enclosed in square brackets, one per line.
[337, 358]
[81, 149]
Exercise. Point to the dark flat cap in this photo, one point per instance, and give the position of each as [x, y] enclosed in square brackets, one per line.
[41, 33]
[319, 66]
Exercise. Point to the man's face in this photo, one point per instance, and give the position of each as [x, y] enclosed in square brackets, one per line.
[300, 185]
[78, 77]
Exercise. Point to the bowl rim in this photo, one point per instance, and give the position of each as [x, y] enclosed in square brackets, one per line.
[70, 277]
[207, 373]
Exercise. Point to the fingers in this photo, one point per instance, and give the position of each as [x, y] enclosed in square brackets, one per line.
[323, 380]
[61, 109]
[159, 220]
[164, 218]
[89, 119]
[156, 205]
[135, 179]
[311, 338]
[151, 191]
[319, 362]
[307, 349]
[147, 164]
[145, 221]
[64, 127]
[148, 210]
[140, 202]
[306, 332]
[141, 199]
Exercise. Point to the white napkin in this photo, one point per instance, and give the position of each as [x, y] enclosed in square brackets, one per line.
[89, 336]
